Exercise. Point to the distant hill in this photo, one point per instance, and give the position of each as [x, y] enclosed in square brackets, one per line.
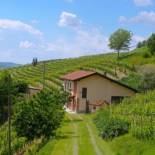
[8, 65]
[128, 69]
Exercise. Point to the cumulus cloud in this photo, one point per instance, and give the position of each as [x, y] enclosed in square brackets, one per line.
[84, 42]
[68, 19]
[122, 20]
[143, 2]
[18, 25]
[137, 38]
[143, 17]
[26, 44]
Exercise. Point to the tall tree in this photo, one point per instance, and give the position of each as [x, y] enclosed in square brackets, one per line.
[151, 43]
[120, 40]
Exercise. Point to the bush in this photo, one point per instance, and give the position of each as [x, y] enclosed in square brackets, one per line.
[151, 44]
[147, 82]
[41, 115]
[110, 126]
[143, 132]
[114, 128]
[101, 118]
[146, 55]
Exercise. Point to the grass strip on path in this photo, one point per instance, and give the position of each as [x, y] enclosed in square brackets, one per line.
[77, 136]
[102, 145]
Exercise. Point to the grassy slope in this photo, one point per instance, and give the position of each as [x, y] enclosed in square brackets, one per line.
[102, 63]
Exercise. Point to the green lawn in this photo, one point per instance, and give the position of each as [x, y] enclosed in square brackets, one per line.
[79, 136]
[75, 139]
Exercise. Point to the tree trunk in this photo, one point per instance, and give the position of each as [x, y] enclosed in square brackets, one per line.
[118, 51]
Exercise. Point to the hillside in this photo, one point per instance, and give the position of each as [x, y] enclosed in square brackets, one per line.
[127, 70]
[7, 65]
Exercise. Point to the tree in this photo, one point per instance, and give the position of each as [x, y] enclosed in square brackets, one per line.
[34, 61]
[120, 40]
[151, 44]
[9, 86]
[142, 44]
[6, 89]
[41, 115]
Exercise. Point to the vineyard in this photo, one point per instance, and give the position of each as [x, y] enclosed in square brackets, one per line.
[126, 70]
[105, 64]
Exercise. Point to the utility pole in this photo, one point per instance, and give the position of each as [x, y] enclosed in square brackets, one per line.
[9, 114]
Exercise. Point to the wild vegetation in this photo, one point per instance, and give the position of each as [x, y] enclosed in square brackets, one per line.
[133, 117]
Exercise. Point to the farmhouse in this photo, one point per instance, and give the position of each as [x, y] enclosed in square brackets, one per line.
[90, 90]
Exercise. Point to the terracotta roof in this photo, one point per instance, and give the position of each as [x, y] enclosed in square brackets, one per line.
[81, 74]
[77, 75]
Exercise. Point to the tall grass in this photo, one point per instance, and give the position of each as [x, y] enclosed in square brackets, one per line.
[139, 111]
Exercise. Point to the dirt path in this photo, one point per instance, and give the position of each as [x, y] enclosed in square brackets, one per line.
[77, 136]
[92, 138]
[75, 140]
[93, 141]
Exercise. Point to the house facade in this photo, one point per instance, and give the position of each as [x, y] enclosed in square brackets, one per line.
[91, 90]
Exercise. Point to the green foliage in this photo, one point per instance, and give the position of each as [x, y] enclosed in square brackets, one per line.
[151, 44]
[147, 82]
[138, 111]
[115, 127]
[146, 55]
[101, 118]
[40, 116]
[17, 143]
[142, 44]
[110, 126]
[21, 86]
[132, 80]
[120, 40]
[6, 89]
[9, 87]
[34, 61]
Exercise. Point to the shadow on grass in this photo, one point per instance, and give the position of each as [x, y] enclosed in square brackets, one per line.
[72, 121]
[66, 136]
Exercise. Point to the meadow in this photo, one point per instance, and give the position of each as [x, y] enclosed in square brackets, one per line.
[139, 110]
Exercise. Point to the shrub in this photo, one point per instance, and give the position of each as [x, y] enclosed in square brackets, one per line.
[143, 132]
[110, 126]
[146, 55]
[101, 118]
[41, 115]
[147, 82]
[151, 44]
[114, 128]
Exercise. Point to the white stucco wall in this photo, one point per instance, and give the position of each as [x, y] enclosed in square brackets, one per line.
[99, 88]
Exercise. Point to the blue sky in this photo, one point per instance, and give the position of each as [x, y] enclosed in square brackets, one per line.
[50, 29]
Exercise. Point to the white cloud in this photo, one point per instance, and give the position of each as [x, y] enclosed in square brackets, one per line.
[26, 44]
[68, 19]
[137, 38]
[122, 20]
[85, 42]
[143, 17]
[143, 2]
[18, 25]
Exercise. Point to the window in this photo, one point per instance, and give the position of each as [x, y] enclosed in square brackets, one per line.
[84, 92]
[116, 99]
